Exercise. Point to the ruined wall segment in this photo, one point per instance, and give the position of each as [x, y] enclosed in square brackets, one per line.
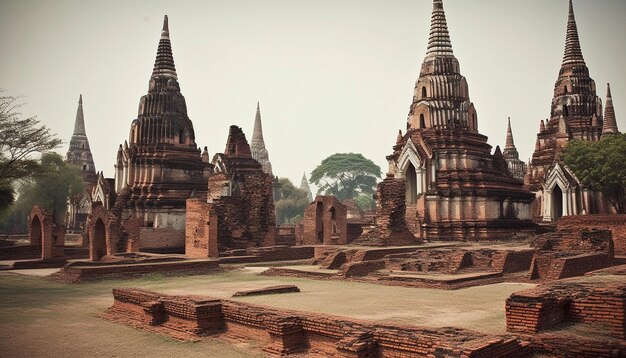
[241, 196]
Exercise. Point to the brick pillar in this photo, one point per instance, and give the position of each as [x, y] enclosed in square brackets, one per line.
[287, 335]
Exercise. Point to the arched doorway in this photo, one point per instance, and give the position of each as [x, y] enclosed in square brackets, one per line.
[557, 203]
[35, 231]
[99, 240]
[319, 222]
[411, 184]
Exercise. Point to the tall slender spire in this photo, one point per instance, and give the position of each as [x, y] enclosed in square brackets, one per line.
[304, 185]
[79, 124]
[164, 63]
[257, 144]
[509, 137]
[610, 123]
[573, 53]
[439, 39]
[257, 134]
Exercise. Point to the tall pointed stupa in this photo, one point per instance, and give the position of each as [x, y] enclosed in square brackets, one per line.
[610, 122]
[576, 111]
[304, 185]
[160, 165]
[454, 186]
[79, 152]
[516, 166]
[257, 144]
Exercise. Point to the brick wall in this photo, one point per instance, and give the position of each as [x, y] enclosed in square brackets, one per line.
[284, 332]
[615, 223]
[390, 225]
[325, 222]
[160, 238]
[200, 230]
[538, 309]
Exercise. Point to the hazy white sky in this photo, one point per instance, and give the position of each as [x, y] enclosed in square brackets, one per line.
[331, 75]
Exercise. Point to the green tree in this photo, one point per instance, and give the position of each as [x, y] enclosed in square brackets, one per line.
[346, 175]
[601, 166]
[290, 207]
[365, 202]
[52, 188]
[19, 140]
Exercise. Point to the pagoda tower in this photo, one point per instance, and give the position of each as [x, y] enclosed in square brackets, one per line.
[304, 185]
[257, 144]
[455, 188]
[79, 154]
[609, 126]
[160, 165]
[575, 113]
[516, 166]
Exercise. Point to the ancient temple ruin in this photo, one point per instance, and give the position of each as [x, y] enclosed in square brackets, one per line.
[455, 188]
[576, 113]
[79, 154]
[239, 203]
[160, 165]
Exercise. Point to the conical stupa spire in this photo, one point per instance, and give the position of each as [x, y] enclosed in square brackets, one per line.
[610, 123]
[304, 185]
[439, 40]
[509, 137]
[257, 133]
[164, 63]
[79, 124]
[573, 53]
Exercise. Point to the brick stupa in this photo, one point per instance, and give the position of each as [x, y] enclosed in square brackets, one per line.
[160, 165]
[455, 188]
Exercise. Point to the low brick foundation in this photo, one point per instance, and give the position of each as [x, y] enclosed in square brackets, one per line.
[284, 332]
[541, 308]
[76, 273]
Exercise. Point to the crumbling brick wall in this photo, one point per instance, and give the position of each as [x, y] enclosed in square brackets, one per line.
[44, 232]
[200, 230]
[325, 222]
[284, 332]
[570, 253]
[390, 225]
[615, 223]
[241, 195]
[541, 308]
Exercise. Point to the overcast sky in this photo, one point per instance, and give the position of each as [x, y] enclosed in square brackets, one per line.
[331, 75]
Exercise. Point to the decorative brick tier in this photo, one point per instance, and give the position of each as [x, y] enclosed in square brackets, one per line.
[284, 332]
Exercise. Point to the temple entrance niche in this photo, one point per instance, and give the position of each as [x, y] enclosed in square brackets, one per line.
[411, 184]
[98, 240]
[557, 203]
[35, 231]
[319, 222]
